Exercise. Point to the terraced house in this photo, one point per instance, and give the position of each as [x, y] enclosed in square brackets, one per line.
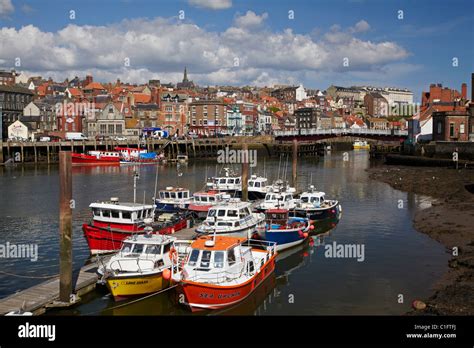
[13, 100]
[173, 112]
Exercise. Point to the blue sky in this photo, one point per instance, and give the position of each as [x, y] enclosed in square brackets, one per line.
[269, 46]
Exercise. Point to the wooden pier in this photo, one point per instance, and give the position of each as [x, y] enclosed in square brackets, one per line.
[39, 298]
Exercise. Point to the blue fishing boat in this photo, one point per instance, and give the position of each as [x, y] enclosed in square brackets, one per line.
[286, 231]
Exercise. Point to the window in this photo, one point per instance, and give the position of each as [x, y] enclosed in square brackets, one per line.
[194, 257]
[219, 259]
[440, 126]
[231, 257]
[106, 213]
[251, 267]
[461, 128]
[221, 212]
[451, 129]
[126, 215]
[115, 214]
[138, 248]
[127, 247]
[167, 248]
[110, 129]
[206, 258]
[232, 213]
[118, 129]
[153, 249]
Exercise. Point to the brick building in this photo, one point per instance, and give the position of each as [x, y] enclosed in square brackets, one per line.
[207, 117]
[306, 118]
[451, 125]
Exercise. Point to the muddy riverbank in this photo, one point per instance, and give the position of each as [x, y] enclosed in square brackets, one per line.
[449, 220]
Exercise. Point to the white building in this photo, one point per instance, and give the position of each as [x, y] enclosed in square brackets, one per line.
[300, 93]
[18, 130]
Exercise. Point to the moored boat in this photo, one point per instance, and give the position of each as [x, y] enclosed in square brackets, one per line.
[130, 155]
[96, 158]
[360, 145]
[221, 271]
[204, 200]
[285, 231]
[229, 183]
[172, 199]
[142, 266]
[113, 221]
[276, 200]
[232, 218]
[313, 205]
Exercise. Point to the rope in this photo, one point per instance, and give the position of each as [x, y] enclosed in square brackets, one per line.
[134, 301]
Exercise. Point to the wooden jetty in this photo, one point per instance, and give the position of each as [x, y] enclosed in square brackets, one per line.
[39, 298]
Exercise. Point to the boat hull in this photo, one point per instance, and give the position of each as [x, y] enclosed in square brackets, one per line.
[201, 296]
[316, 214]
[284, 239]
[83, 159]
[170, 207]
[256, 195]
[124, 287]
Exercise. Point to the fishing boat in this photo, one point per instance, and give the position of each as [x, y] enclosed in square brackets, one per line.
[142, 266]
[285, 231]
[112, 222]
[257, 187]
[313, 205]
[172, 199]
[276, 200]
[96, 158]
[229, 183]
[221, 271]
[360, 145]
[130, 155]
[204, 200]
[232, 218]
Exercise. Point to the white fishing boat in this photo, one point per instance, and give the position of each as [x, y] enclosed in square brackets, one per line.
[232, 218]
[229, 183]
[277, 200]
[257, 187]
[172, 199]
[313, 205]
[142, 266]
[360, 145]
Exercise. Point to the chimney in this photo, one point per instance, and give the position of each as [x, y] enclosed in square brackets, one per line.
[464, 91]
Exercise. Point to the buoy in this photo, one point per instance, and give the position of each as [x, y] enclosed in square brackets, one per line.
[166, 274]
[311, 227]
[305, 234]
[418, 305]
[305, 254]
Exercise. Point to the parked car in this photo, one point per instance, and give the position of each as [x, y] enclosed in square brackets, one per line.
[75, 136]
[45, 139]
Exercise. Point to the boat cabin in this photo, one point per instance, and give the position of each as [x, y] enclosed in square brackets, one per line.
[314, 198]
[142, 245]
[128, 152]
[114, 212]
[207, 198]
[276, 216]
[173, 194]
[257, 182]
[100, 154]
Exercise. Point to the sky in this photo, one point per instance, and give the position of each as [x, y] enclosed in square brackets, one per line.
[399, 43]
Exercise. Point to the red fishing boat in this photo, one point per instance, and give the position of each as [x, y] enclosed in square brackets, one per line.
[221, 271]
[96, 157]
[113, 222]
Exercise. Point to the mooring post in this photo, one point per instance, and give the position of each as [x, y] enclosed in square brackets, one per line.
[295, 161]
[245, 172]
[65, 226]
[36, 154]
[1, 150]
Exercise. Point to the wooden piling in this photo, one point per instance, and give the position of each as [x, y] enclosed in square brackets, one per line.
[65, 226]
[245, 173]
[36, 154]
[1, 151]
[295, 161]
[22, 153]
[47, 153]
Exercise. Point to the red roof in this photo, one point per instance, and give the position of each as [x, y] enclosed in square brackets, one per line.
[142, 98]
[94, 85]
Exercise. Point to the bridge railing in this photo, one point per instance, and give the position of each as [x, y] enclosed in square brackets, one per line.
[342, 131]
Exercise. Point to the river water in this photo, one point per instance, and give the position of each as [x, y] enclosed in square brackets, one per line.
[399, 266]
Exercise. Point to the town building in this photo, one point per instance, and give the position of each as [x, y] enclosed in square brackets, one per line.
[8, 78]
[290, 93]
[306, 118]
[13, 100]
[451, 125]
[19, 131]
[376, 105]
[207, 117]
[186, 83]
[173, 115]
[379, 123]
[43, 113]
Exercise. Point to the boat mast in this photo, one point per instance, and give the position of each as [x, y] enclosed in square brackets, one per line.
[135, 178]
[156, 182]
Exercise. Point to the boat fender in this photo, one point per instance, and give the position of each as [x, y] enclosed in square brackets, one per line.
[166, 274]
[301, 234]
[173, 255]
[305, 235]
[311, 227]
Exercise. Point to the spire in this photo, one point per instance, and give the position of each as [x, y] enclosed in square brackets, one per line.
[185, 78]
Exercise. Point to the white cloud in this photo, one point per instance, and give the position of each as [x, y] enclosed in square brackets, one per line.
[211, 4]
[6, 8]
[160, 48]
[360, 26]
[250, 19]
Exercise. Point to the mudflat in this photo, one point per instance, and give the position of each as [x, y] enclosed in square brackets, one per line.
[449, 220]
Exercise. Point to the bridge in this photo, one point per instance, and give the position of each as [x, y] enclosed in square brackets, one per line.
[321, 134]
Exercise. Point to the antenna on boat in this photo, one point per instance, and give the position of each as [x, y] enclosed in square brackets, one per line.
[136, 176]
[279, 164]
[156, 182]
